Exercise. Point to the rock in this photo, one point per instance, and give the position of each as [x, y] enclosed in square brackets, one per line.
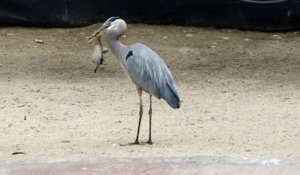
[225, 38]
[39, 41]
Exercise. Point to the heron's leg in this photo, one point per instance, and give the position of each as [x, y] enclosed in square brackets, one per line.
[150, 120]
[141, 114]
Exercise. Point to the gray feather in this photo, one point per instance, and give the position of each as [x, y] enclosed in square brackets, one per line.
[151, 73]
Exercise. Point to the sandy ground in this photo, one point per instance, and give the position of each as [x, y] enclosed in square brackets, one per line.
[240, 95]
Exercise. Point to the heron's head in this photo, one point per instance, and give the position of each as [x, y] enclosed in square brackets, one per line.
[111, 24]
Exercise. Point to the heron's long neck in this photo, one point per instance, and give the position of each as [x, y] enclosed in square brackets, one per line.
[118, 49]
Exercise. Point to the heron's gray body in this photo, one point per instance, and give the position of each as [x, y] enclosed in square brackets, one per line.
[146, 69]
[150, 72]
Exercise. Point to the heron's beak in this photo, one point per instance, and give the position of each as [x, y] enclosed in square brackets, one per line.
[97, 34]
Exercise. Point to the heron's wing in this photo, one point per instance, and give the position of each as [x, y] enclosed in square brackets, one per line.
[151, 73]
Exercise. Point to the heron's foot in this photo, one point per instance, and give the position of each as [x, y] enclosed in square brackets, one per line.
[150, 142]
[131, 144]
[135, 143]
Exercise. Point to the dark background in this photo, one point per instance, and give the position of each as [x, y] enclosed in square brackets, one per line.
[265, 15]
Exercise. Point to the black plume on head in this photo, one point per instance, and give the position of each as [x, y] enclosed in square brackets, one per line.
[112, 19]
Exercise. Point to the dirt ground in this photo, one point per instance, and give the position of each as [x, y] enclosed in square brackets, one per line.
[240, 94]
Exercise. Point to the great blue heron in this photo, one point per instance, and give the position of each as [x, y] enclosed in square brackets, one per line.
[146, 69]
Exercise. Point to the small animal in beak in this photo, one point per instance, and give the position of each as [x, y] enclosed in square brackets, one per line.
[97, 56]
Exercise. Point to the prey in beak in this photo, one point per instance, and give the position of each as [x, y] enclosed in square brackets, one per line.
[98, 51]
[98, 33]
[95, 36]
